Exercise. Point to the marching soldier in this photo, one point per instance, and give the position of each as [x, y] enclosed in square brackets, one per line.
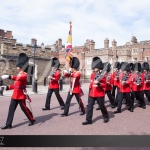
[54, 85]
[75, 88]
[146, 74]
[125, 82]
[137, 86]
[131, 76]
[109, 82]
[97, 93]
[91, 78]
[116, 79]
[18, 96]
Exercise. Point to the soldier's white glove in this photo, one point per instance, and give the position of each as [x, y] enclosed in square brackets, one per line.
[70, 69]
[2, 88]
[65, 71]
[4, 77]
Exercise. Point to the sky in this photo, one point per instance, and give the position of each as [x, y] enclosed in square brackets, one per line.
[48, 20]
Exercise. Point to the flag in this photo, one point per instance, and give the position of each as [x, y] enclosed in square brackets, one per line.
[69, 45]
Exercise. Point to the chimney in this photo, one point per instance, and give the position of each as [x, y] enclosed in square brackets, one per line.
[33, 40]
[106, 43]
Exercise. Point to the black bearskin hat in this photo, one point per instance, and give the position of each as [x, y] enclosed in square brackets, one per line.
[121, 64]
[131, 66]
[107, 66]
[75, 63]
[22, 60]
[55, 62]
[137, 67]
[97, 63]
[145, 66]
[117, 65]
[125, 66]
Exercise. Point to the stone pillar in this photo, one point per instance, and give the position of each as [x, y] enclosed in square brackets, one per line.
[33, 40]
[106, 43]
[115, 57]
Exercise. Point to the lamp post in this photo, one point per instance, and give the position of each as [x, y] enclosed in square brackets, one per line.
[34, 82]
[83, 65]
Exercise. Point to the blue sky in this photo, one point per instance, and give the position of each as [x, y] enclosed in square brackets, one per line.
[48, 20]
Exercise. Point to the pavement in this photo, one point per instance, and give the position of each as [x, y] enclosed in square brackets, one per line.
[50, 123]
[40, 90]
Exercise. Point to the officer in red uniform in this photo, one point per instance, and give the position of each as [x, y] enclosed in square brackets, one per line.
[125, 90]
[146, 74]
[97, 93]
[18, 96]
[131, 76]
[91, 78]
[109, 82]
[75, 88]
[115, 79]
[54, 85]
[137, 86]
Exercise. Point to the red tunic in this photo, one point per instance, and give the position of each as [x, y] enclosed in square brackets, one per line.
[109, 82]
[76, 76]
[92, 77]
[136, 87]
[54, 82]
[124, 88]
[98, 91]
[146, 84]
[18, 86]
[115, 79]
[131, 78]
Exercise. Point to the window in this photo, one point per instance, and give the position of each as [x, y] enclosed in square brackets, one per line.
[121, 59]
[146, 58]
[43, 48]
[135, 51]
[89, 61]
[24, 46]
[88, 71]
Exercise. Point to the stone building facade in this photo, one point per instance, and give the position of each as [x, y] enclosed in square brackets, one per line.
[10, 48]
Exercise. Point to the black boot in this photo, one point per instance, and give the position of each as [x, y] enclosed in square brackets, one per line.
[144, 107]
[46, 108]
[63, 115]
[117, 111]
[31, 122]
[62, 107]
[98, 108]
[130, 109]
[6, 127]
[86, 122]
[82, 113]
[113, 106]
[106, 119]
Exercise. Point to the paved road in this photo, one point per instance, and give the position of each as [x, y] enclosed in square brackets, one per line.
[50, 122]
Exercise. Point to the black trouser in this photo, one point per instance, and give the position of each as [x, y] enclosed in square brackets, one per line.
[68, 100]
[49, 95]
[127, 97]
[147, 93]
[89, 94]
[139, 95]
[113, 90]
[100, 101]
[117, 96]
[111, 99]
[132, 98]
[12, 108]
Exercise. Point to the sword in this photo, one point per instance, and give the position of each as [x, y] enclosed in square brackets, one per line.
[28, 99]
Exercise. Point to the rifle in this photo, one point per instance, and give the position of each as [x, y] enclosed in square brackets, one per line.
[138, 79]
[100, 75]
[52, 73]
[147, 77]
